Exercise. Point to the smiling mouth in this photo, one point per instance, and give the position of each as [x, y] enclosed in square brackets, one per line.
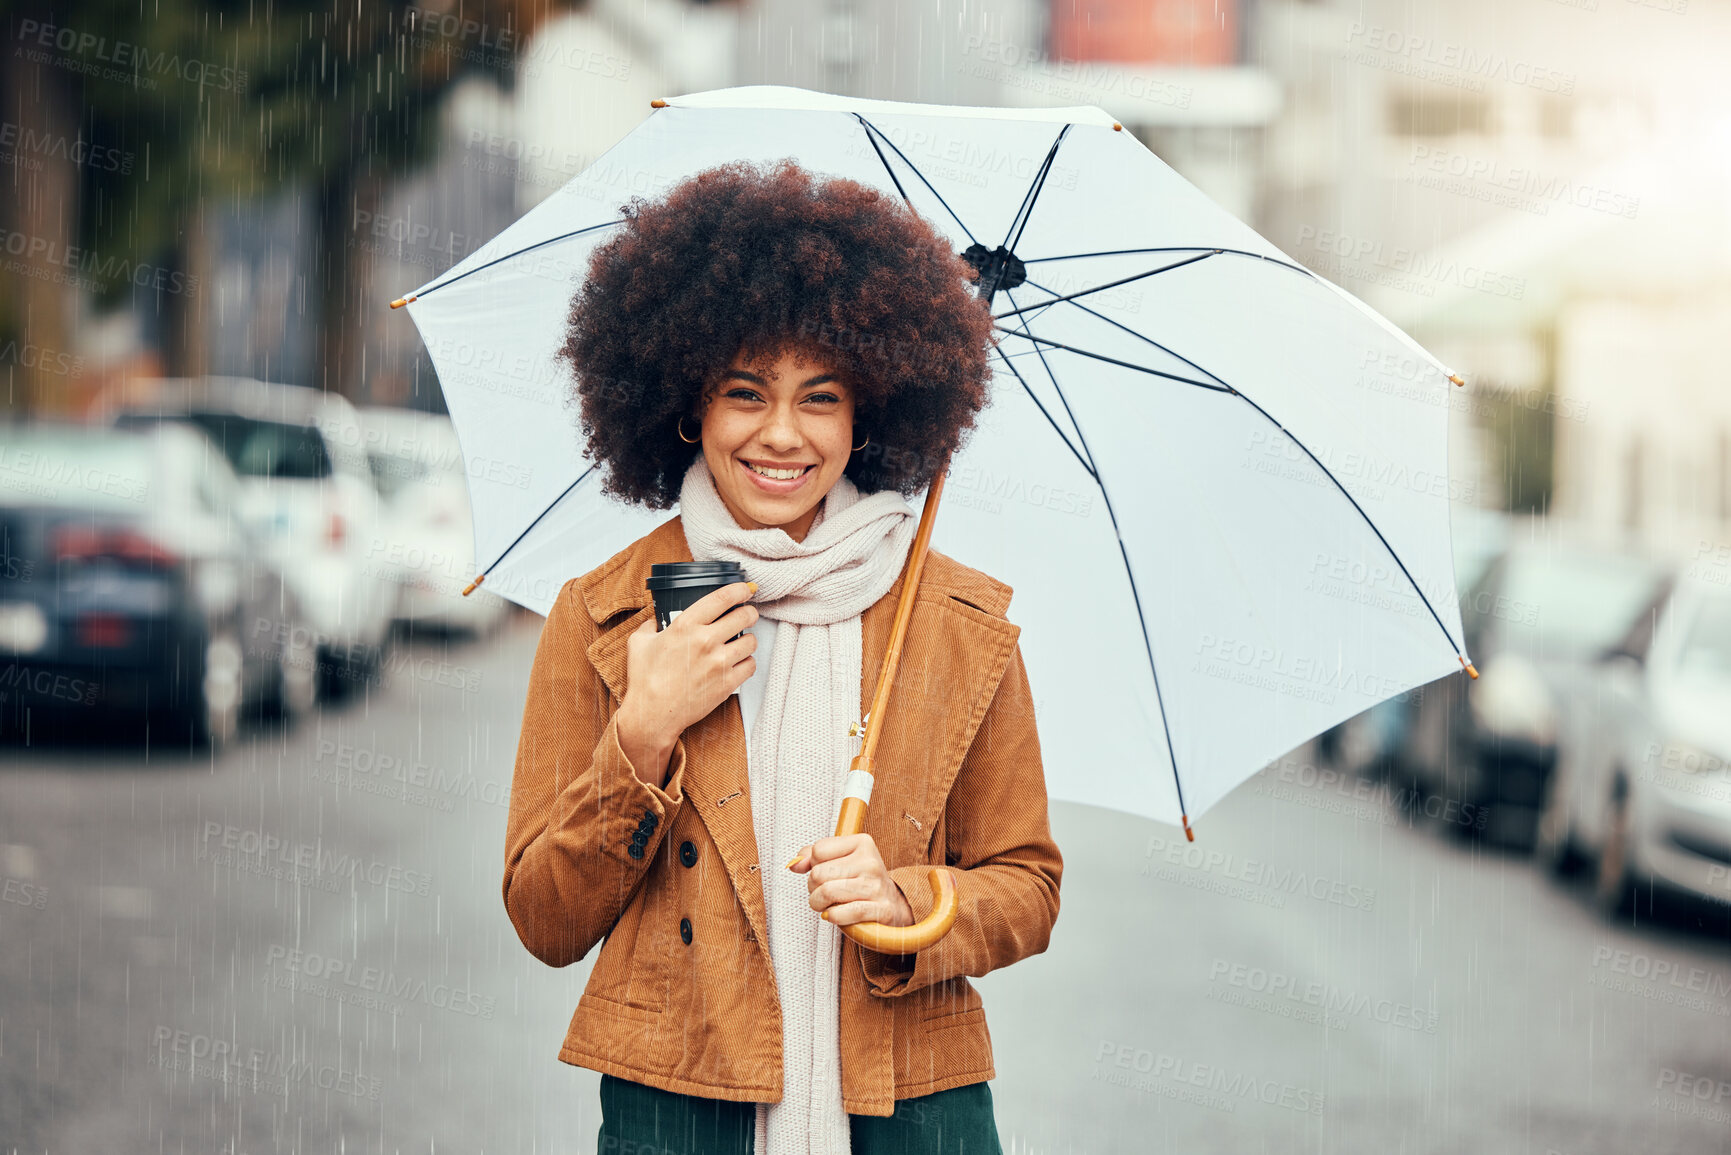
[784, 474]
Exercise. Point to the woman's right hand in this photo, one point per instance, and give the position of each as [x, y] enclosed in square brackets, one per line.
[675, 677]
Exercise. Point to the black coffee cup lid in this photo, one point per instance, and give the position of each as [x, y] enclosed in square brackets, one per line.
[694, 568]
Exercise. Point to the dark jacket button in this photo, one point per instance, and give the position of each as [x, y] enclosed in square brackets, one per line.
[688, 853]
[639, 839]
[636, 850]
[685, 930]
[649, 819]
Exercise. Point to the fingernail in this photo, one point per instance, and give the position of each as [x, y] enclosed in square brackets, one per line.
[823, 914]
[794, 861]
[753, 586]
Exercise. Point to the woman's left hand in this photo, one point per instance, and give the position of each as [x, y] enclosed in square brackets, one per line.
[848, 882]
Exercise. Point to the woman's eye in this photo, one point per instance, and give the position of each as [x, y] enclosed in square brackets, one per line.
[748, 395]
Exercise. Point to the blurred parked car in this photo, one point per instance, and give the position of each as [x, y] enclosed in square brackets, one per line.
[1534, 624]
[130, 587]
[426, 538]
[308, 493]
[1643, 783]
[1370, 744]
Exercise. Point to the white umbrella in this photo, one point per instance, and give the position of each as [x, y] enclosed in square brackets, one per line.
[1217, 482]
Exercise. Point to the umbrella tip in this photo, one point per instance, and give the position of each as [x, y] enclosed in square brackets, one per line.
[1457, 379]
[1189, 834]
[657, 103]
[470, 588]
[1116, 127]
[401, 301]
[1472, 672]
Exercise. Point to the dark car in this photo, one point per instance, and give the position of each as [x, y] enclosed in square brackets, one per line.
[131, 594]
[306, 492]
[1535, 624]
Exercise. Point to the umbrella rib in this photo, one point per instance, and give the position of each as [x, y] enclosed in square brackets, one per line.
[1172, 249]
[874, 131]
[1113, 360]
[1224, 388]
[1023, 214]
[1026, 388]
[1326, 472]
[1147, 642]
[563, 494]
[1128, 329]
[1108, 285]
[527, 249]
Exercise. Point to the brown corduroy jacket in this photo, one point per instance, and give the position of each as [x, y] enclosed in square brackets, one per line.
[683, 995]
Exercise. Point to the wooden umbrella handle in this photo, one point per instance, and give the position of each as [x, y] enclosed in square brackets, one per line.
[857, 793]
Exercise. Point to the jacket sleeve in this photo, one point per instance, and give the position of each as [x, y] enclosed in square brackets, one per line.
[576, 801]
[998, 836]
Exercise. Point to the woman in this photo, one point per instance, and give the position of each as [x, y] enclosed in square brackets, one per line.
[676, 795]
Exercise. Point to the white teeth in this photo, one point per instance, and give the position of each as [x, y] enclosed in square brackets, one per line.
[779, 474]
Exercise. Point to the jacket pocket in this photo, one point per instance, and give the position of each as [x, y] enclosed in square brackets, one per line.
[632, 969]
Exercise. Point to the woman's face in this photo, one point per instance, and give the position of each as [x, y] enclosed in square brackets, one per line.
[789, 413]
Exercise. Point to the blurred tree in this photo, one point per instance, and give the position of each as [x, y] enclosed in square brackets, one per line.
[134, 116]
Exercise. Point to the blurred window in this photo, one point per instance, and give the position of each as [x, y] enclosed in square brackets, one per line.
[1567, 604]
[1448, 114]
[393, 472]
[256, 448]
[75, 468]
[1706, 646]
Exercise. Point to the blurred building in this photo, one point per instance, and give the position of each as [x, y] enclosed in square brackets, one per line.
[1536, 192]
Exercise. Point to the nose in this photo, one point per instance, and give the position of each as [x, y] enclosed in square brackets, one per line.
[779, 430]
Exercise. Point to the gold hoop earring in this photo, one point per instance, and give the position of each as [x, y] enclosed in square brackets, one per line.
[682, 437]
[863, 444]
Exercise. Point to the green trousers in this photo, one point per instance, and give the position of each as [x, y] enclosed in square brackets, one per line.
[641, 1120]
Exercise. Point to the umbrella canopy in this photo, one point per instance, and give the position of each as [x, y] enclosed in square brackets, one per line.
[1217, 482]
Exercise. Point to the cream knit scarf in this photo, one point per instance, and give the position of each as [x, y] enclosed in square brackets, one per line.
[800, 751]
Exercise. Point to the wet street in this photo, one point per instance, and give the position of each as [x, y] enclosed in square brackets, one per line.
[300, 946]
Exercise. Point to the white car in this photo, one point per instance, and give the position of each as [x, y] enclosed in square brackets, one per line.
[308, 494]
[425, 541]
[1642, 789]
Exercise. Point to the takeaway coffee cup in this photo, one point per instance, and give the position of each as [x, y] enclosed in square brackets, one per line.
[677, 585]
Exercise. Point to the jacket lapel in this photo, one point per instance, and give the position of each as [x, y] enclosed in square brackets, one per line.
[946, 682]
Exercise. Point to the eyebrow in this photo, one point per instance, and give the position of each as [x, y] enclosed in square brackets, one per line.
[820, 379]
